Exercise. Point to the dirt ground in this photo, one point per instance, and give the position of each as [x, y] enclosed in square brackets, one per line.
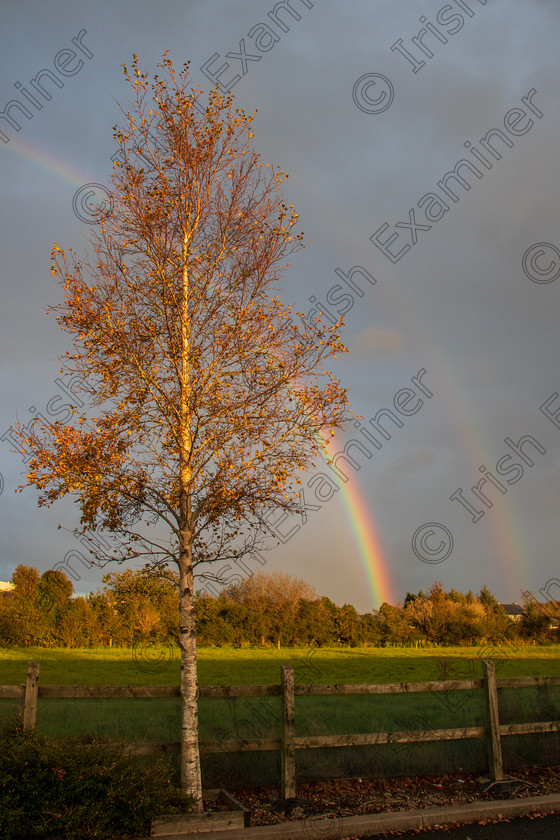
[372, 796]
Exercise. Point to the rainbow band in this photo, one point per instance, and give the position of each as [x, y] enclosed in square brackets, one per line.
[367, 538]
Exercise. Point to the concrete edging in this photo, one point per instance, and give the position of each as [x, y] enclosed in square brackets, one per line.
[337, 828]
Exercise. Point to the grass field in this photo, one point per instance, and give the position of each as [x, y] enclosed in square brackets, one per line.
[247, 666]
[159, 719]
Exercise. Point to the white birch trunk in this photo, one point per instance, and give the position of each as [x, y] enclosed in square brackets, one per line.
[191, 780]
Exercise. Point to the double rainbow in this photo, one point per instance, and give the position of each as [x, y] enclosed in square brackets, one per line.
[506, 538]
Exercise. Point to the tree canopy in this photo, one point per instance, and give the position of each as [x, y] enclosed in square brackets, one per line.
[134, 607]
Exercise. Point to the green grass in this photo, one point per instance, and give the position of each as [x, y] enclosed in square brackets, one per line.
[247, 666]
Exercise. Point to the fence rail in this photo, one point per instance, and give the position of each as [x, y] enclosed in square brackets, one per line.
[31, 692]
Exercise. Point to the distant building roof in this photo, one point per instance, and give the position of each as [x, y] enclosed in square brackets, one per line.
[513, 609]
[5, 586]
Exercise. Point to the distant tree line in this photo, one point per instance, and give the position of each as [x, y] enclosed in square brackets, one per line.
[264, 610]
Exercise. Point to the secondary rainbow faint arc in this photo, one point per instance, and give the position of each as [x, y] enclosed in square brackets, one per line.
[47, 163]
[507, 543]
[508, 546]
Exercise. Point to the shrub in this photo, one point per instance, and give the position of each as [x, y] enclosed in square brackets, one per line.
[84, 787]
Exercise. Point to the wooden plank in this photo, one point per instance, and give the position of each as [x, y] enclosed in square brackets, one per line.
[231, 746]
[240, 691]
[371, 739]
[235, 805]
[154, 747]
[356, 740]
[388, 688]
[114, 691]
[492, 721]
[174, 824]
[12, 692]
[319, 741]
[524, 682]
[217, 691]
[530, 728]
[108, 691]
[31, 694]
[232, 803]
[240, 745]
[287, 749]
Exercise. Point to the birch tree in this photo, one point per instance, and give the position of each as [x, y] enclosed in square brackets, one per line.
[207, 395]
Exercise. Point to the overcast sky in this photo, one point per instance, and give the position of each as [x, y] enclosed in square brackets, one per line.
[451, 313]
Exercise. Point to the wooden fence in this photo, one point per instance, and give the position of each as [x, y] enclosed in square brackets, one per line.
[288, 743]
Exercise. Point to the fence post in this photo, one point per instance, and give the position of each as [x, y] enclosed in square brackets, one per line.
[287, 749]
[28, 709]
[492, 721]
